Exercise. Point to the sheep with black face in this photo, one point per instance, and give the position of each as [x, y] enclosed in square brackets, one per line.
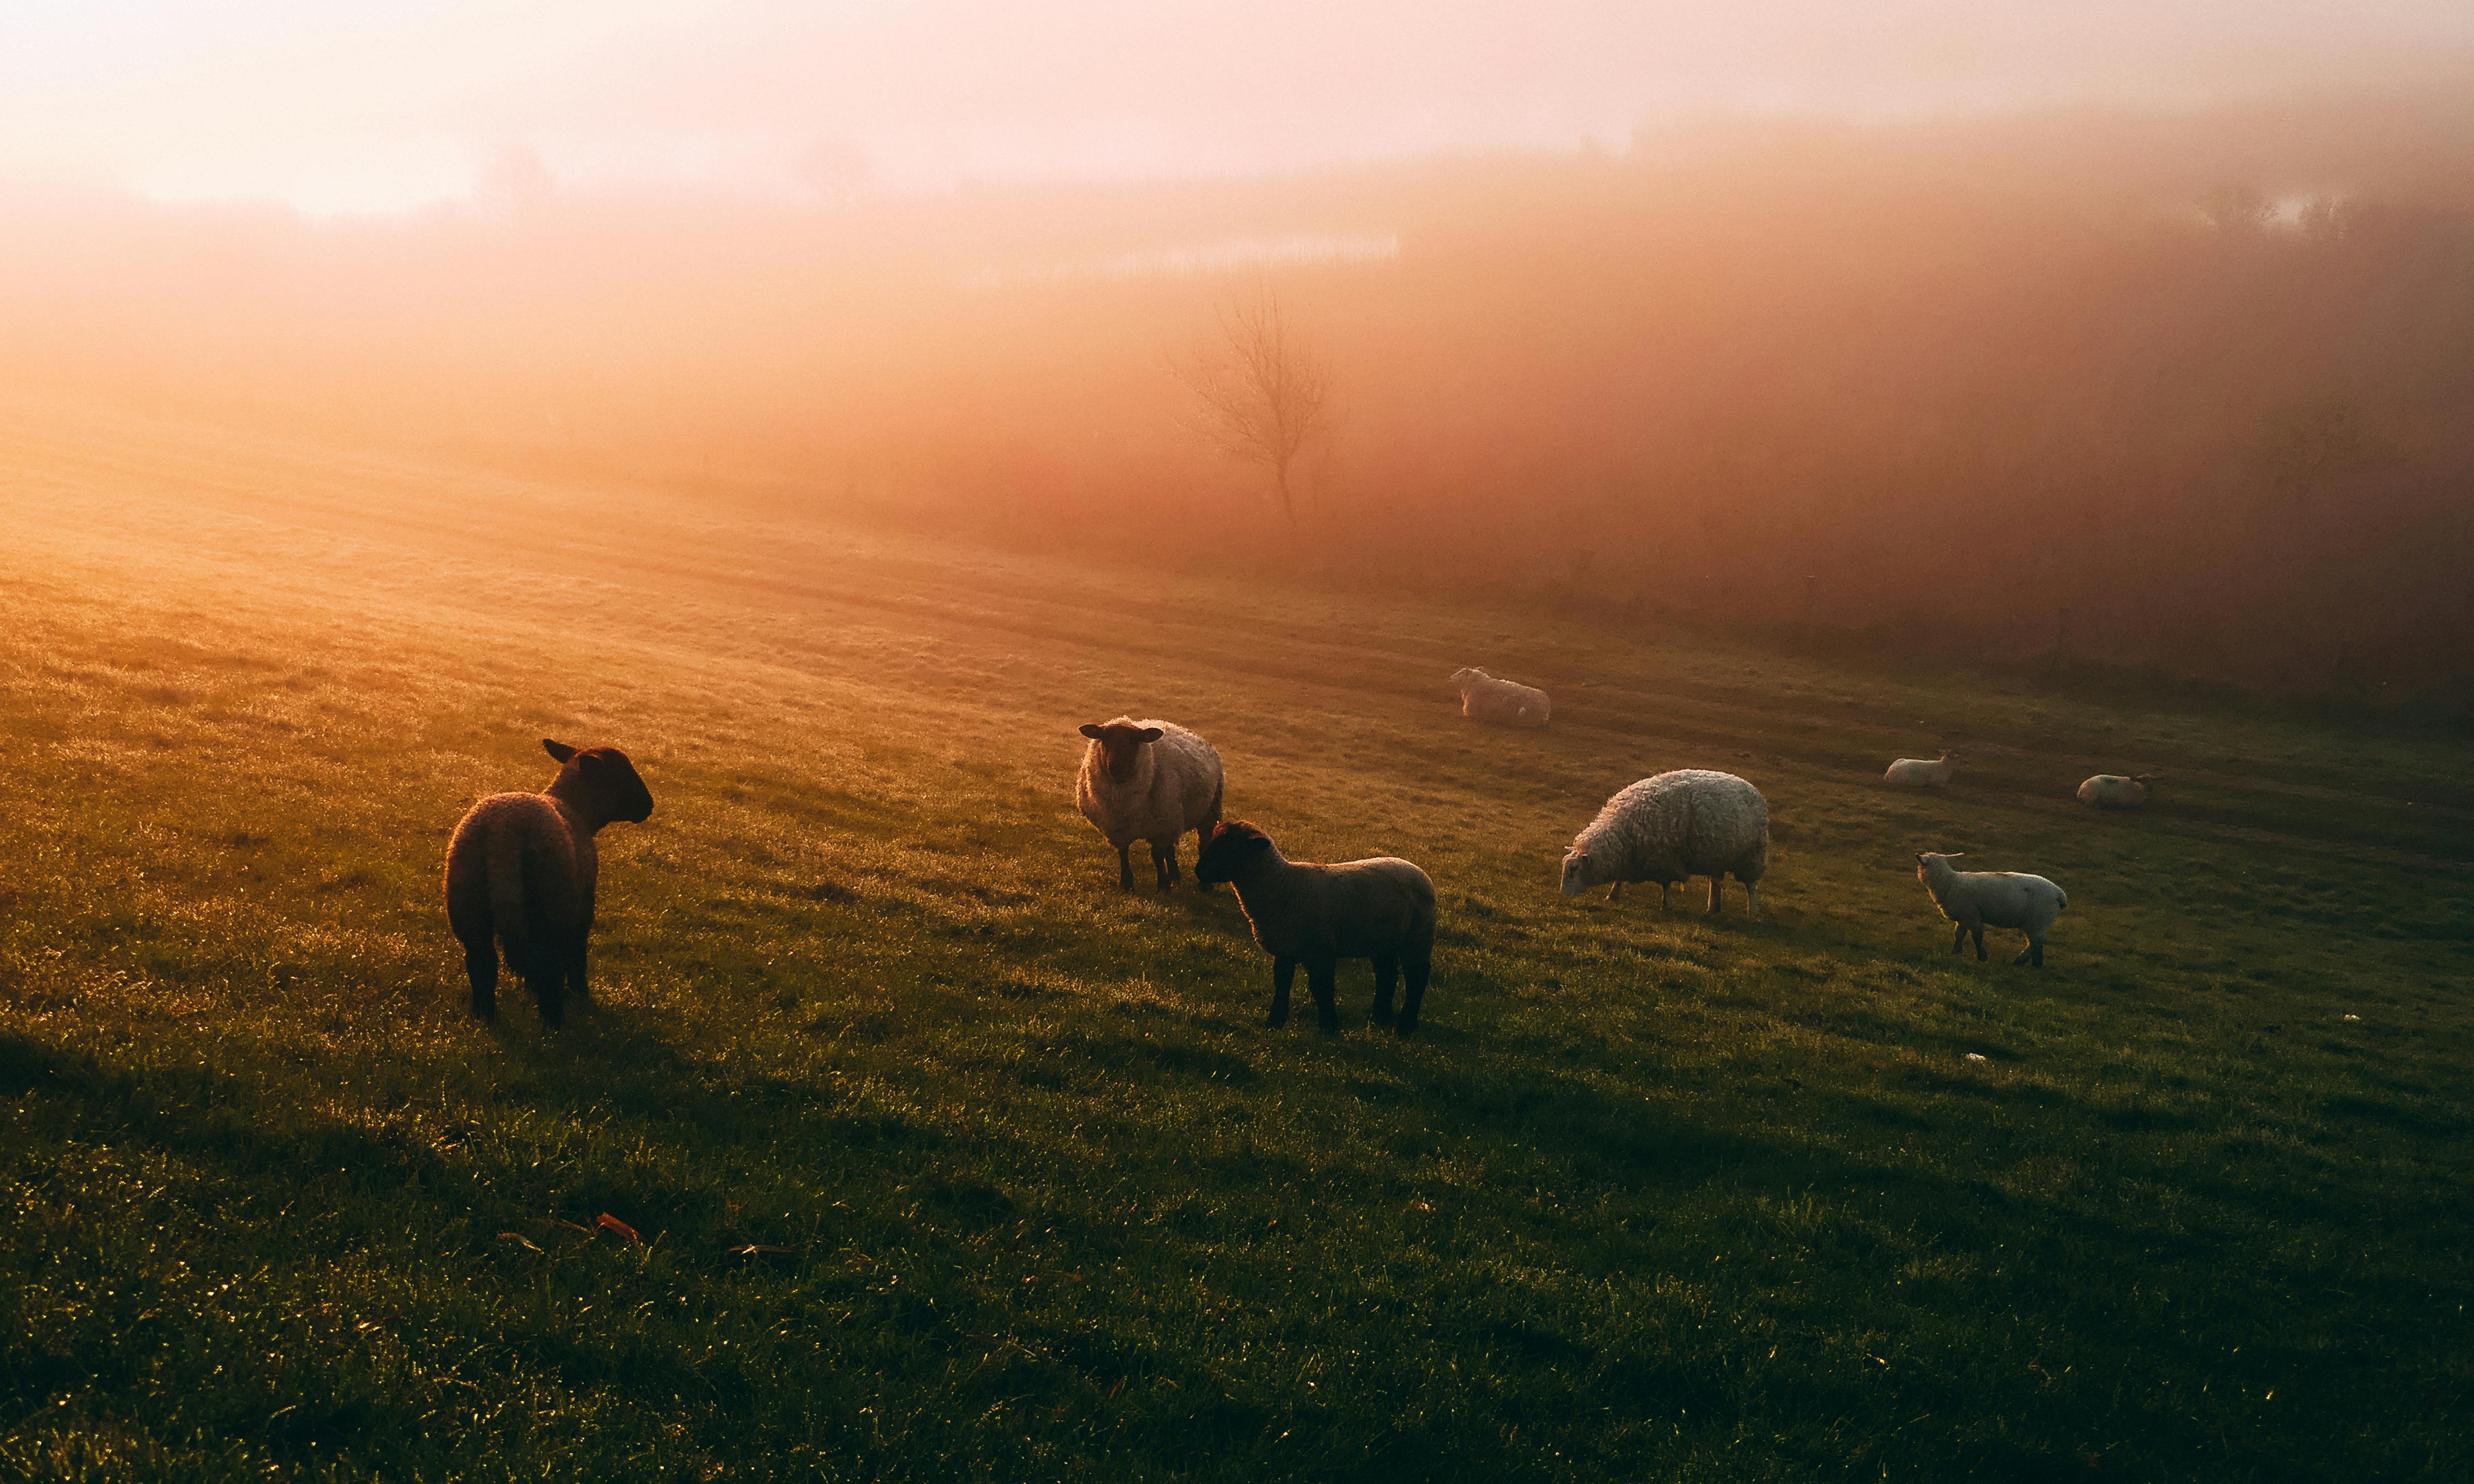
[1381, 909]
[521, 870]
[1150, 780]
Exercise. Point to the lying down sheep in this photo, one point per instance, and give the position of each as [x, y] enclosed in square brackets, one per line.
[1688, 823]
[1922, 772]
[1504, 702]
[1977, 899]
[2113, 791]
[520, 874]
[1150, 780]
[1381, 909]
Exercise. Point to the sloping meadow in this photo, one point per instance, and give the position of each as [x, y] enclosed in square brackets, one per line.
[902, 1145]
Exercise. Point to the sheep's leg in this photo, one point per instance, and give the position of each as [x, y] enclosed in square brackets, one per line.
[1751, 902]
[1977, 931]
[1958, 938]
[1284, 973]
[1418, 969]
[1614, 893]
[1126, 867]
[1665, 895]
[1387, 976]
[1319, 975]
[2033, 953]
[1714, 893]
[1201, 838]
[481, 966]
[1164, 861]
[546, 978]
[578, 983]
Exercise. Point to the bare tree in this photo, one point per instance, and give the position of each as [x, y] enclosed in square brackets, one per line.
[1266, 393]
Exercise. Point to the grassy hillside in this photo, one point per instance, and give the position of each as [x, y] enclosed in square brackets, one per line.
[948, 1161]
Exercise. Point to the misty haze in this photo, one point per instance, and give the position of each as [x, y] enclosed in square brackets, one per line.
[747, 741]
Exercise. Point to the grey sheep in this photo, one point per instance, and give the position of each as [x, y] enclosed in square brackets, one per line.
[1977, 899]
[1149, 781]
[522, 870]
[1505, 703]
[1381, 909]
[1688, 823]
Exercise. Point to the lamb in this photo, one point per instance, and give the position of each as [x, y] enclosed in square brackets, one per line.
[1922, 772]
[2113, 791]
[1381, 909]
[1977, 899]
[1688, 823]
[1504, 702]
[520, 874]
[1148, 780]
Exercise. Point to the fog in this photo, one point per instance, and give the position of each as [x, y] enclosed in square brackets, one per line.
[1925, 330]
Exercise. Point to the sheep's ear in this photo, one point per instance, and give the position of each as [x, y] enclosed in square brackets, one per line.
[1091, 729]
[559, 750]
[1152, 733]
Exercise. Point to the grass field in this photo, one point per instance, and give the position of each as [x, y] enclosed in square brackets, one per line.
[1033, 1194]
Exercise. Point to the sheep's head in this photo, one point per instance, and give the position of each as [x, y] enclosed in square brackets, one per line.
[1580, 872]
[1122, 742]
[1461, 680]
[599, 781]
[1925, 860]
[1232, 844]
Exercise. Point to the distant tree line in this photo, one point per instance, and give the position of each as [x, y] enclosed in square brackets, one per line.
[1934, 386]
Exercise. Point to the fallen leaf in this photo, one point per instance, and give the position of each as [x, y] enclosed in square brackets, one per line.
[516, 1237]
[757, 1250]
[610, 1223]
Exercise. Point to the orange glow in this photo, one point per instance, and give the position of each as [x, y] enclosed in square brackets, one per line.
[1963, 361]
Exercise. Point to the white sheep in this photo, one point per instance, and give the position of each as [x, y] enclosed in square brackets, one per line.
[1688, 823]
[1381, 909]
[1150, 780]
[1922, 772]
[2113, 791]
[1979, 899]
[1504, 702]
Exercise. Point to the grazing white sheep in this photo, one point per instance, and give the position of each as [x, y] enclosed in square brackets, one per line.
[1148, 780]
[1979, 899]
[1504, 702]
[1922, 772]
[1381, 909]
[1688, 823]
[522, 870]
[2113, 791]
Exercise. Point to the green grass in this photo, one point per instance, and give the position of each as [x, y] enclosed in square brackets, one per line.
[1649, 1196]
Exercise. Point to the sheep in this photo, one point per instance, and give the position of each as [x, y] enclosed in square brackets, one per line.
[1504, 702]
[1381, 909]
[1688, 823]
[2113, 791]
[1922, 772]
[1977, 899]
[1148, 780]
[520, 874]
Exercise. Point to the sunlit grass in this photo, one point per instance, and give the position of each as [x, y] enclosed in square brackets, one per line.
[1030, 1191]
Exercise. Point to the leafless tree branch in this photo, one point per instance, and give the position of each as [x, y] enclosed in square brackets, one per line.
[1265, 392]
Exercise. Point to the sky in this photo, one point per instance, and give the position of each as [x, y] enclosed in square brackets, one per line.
[378, 105]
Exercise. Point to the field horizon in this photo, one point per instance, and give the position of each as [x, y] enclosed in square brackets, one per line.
[902, 1144]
